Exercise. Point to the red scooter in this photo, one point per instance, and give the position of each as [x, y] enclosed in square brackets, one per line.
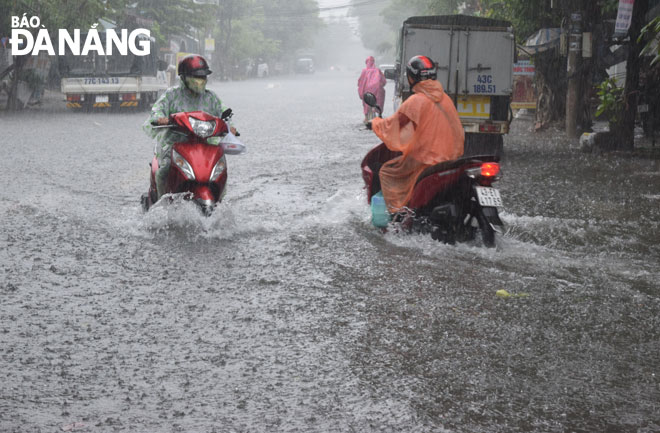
[199, 167]
[451, 201]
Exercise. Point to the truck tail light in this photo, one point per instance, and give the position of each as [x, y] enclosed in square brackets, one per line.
[74, 98]
[490, 127]
[127, 96]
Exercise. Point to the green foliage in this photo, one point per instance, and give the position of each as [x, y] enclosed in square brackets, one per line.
[526, 16]
[170, 17]
[249, 41]
[651, 32]
[375, 34]
[267, 29]
[610, 7]
[399, 10]
[611, 101]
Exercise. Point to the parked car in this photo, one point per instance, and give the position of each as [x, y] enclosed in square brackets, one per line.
[386, 67]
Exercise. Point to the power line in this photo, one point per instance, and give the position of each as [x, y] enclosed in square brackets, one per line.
[350, 5]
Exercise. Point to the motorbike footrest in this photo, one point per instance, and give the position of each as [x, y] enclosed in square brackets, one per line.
[444, 214]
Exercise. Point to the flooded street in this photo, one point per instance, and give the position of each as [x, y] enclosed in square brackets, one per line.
[286, 311]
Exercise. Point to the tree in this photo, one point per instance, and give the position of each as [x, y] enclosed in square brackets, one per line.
[169, 18]
[375, 34]
[626, 137]
[266, 29]
[651, 32]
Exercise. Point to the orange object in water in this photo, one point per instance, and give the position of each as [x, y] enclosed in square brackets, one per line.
[433, 134]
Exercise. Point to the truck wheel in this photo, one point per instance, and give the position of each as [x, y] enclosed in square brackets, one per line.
[145, 102]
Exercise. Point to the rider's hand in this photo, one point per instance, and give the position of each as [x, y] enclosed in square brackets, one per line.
[162, 121]
[232, 130]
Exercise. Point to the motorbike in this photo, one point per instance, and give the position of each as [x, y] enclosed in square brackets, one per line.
[199, 166]
[372, 113]
[452, 201]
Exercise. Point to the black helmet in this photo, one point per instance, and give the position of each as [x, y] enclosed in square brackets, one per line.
[420, 68]
[194, 65]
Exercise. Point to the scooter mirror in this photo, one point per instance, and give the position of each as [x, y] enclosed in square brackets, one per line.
[370, 99]
[226, 114]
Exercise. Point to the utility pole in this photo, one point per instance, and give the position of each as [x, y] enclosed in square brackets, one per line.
[627, 141]
[572, 72]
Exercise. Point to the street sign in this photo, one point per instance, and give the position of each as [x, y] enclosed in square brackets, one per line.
[624, 17]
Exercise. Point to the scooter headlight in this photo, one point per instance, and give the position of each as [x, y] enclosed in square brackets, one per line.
[183, 165]
[218, 169]
[202, 128]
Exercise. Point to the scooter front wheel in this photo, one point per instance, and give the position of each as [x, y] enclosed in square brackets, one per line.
[205, 206]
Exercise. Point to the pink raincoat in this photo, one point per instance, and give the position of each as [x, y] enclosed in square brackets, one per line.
[373, 81]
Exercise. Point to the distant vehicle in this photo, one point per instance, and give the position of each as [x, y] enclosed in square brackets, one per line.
[304, 66]
[386, 67]
[475, 59]
[98, 81]
[262, 70]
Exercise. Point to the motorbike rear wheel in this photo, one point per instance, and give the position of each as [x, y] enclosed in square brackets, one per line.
[486, 229]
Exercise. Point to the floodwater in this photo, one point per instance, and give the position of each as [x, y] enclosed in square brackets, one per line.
[285, 311]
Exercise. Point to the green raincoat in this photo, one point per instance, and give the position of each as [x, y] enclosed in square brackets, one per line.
[175, 100]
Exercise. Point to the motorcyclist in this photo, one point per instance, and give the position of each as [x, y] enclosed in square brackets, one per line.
[426, 129]
[190, 95]
[371, 80]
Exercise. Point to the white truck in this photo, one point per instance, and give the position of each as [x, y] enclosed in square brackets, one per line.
[98, 81]
[475, 58]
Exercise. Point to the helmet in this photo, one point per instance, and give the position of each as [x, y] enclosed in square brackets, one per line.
[194, 65]
[420, 68]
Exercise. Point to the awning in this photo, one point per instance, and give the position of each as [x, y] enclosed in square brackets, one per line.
[542, 40]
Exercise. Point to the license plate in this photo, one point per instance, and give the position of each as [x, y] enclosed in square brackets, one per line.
[489, 196]
[103, 98]
[644, 108]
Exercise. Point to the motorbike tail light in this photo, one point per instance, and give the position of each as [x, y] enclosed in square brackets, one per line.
[72, 97]
[490, 169]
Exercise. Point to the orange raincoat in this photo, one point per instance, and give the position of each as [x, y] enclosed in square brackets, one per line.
[427, 130]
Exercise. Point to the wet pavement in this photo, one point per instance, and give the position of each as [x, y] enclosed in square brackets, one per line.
[286, 311]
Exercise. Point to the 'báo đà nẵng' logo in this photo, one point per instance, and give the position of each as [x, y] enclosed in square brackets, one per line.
[23, 41]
